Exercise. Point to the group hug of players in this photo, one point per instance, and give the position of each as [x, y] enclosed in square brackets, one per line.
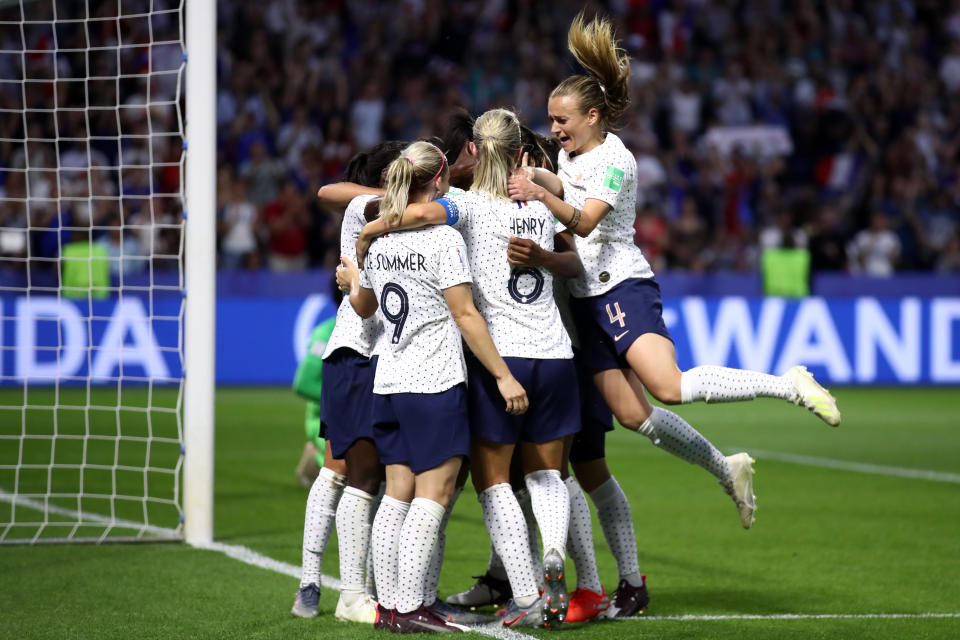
[528, 260]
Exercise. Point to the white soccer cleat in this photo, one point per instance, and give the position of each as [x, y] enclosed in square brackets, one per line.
[740, 486]
[363, 609]
[813, 396]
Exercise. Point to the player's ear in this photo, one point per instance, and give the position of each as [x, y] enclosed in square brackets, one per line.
[593, 116]
[472, 149]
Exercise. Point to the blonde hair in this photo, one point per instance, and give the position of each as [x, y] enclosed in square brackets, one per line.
[606, 88]
[418, 165]
[497, 136]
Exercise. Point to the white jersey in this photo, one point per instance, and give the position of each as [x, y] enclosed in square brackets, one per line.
[351, 330]
[607, 173]
[421, 350]
[516, 302]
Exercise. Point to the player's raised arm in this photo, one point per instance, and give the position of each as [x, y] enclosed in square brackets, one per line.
[474, 330]
[580, 221]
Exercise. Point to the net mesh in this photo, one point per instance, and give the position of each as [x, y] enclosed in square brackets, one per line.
[91, 269]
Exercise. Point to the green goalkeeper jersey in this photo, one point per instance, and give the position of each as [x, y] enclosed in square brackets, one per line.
[309, 379]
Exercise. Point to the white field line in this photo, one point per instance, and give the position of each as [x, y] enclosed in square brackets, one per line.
[860, 467]
[797, 616]
[83, 517]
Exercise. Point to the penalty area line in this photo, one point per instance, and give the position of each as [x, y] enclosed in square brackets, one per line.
[848, 465]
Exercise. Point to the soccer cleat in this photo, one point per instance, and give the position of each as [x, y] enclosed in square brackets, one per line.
[813, 396]
[554, 590]
[485, 592]
[450, 613]
[363, 609]
[307, 602]
[585, 605]
[629, 600]
[384, 619]
[422, 620]
[517, 616]
[740, 486]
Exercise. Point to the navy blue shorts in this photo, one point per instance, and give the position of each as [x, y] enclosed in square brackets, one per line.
[345, 399]
[609, 323]
[421, 430]
[551, 387]
[595, 417]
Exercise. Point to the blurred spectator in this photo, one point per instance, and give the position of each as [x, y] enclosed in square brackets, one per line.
[287, 219]
[875, 251]
[262, 174]
[827, 243]
[237, 228]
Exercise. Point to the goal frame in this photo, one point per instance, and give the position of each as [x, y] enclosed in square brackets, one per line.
[199, 270]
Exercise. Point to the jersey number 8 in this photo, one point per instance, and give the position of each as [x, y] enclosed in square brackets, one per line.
[514, 285]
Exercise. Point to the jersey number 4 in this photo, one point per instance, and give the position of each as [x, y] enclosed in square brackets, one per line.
[400, 317]
[618, 318]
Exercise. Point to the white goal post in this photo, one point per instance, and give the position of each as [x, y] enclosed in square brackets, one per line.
[107, 270]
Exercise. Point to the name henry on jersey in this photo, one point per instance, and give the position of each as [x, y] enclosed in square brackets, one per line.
[526, 225]
[406, 262]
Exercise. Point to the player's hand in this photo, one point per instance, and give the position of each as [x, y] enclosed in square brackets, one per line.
[525, 252]
[520, 187]
[348, 276]
[514, 394]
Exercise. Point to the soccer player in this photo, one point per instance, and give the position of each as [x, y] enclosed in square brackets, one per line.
[616, 301]
[346, 423]
[418, 282]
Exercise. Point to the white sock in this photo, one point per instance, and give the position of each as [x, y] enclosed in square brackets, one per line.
[386, 539]
[369, 580]
[504, 520]
[671, 433]
[418, 538]
[432, 579]
[722, 384]
[353, 537]
[580, 539]
[551, 506]
[319, 522]
[523, 499]
[616, 520]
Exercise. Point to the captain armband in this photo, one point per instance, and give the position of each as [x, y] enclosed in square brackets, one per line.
[453, 213]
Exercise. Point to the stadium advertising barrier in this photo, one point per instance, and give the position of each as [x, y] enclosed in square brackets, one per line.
[856, 340]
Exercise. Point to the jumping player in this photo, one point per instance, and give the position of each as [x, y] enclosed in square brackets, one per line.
[616, 301]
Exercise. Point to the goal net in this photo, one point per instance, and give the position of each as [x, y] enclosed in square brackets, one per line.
[92, 285]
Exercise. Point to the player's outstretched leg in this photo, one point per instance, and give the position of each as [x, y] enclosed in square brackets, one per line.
[672, 433]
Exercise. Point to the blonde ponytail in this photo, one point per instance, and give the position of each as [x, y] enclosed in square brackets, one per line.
[607, 87]
[418, 165]
[497, 136]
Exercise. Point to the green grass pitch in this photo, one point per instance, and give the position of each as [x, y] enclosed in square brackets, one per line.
[827, 541]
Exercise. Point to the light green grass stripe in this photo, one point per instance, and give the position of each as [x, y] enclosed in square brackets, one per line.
[861, 467]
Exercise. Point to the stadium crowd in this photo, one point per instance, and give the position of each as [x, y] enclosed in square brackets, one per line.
[830, 126]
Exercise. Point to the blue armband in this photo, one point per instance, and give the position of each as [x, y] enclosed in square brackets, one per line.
[453, 213]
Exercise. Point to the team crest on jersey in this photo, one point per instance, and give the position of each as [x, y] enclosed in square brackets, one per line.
[613, 179]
